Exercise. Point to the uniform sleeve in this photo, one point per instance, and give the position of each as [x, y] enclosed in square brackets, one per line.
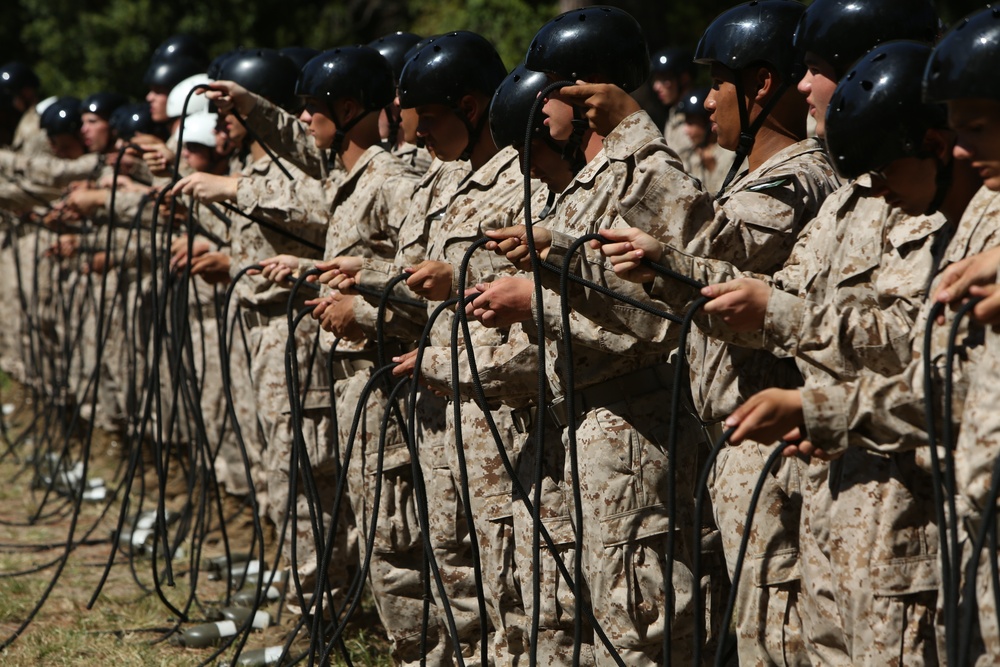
[873, 295]
[287, 136]
[886, 414]
[650, 187]
[979, 441]
[756, 228]
[300, 205]
[508, 372]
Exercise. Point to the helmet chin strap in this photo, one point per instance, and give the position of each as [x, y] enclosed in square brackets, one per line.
[343, 129]
[748, 130]
[474, 131]
[572, 151]
[943, 175]
[394, 125]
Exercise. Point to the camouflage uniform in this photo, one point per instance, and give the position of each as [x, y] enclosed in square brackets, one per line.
[368, 209]
[289, 138]
[262, 304]
[711, 178]
[50, 170]
[29, 140]
[416, 157]
[29, 137]
[400, 582]
[300, 206]
[430, 201]
[505, 528]
[885, 415]
[754, 226]
[675, 136]
[441, 222]
[841, 303]
[490, 198]
[975, 461]
[623, 380]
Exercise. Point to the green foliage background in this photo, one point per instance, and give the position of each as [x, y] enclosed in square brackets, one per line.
[81, 46]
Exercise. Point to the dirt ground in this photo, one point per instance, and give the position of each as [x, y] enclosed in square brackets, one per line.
[128, 623]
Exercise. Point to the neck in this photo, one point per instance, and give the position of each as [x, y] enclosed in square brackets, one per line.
[592, 144]
[257, 151]
[965, 183]
[359, 139]
[768, 144]
[483, 151]
[785, 125]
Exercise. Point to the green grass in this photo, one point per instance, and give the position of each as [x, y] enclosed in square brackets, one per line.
[121, 628]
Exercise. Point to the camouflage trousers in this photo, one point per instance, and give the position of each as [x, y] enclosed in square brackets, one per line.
[555, 602]
[308, 513]
[870, 569]
[765, 617]
[81, 340]
[489, 487]
[46, 370]
[396, 556]
[448, 531]
[623, 481]
[230, 468]
[12, 350]
[984, 648]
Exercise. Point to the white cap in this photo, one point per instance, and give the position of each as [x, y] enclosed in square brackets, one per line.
[199, 128]
[197, 103]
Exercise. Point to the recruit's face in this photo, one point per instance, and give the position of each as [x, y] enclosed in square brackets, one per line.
[66, 146]
[908, 184]
[548, 165]
[96, 133]
[443, 132]
[977, 131]
[408, 120]
[558, 116]
[197, 156]
[698, 130]
[317, 116]
[722, 104]
[667, 88]
[157, 98]
[818, 85]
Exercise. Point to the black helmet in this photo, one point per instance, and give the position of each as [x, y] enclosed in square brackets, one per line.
[265, 72]
[963, 66]
[841, 31]
[299, 55]
[592, 42]
[449, 67]
[16, 75]
[168, 73]
[755, 32]
[62, 117]
[131, 119]
[357, 72]
[512, 104]
[693, 103]
[394, 48]
[103, 104]
[672, 62]
[214, 69]
[354, 72]
[876, 114]
[181, 46]
[416, 47]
